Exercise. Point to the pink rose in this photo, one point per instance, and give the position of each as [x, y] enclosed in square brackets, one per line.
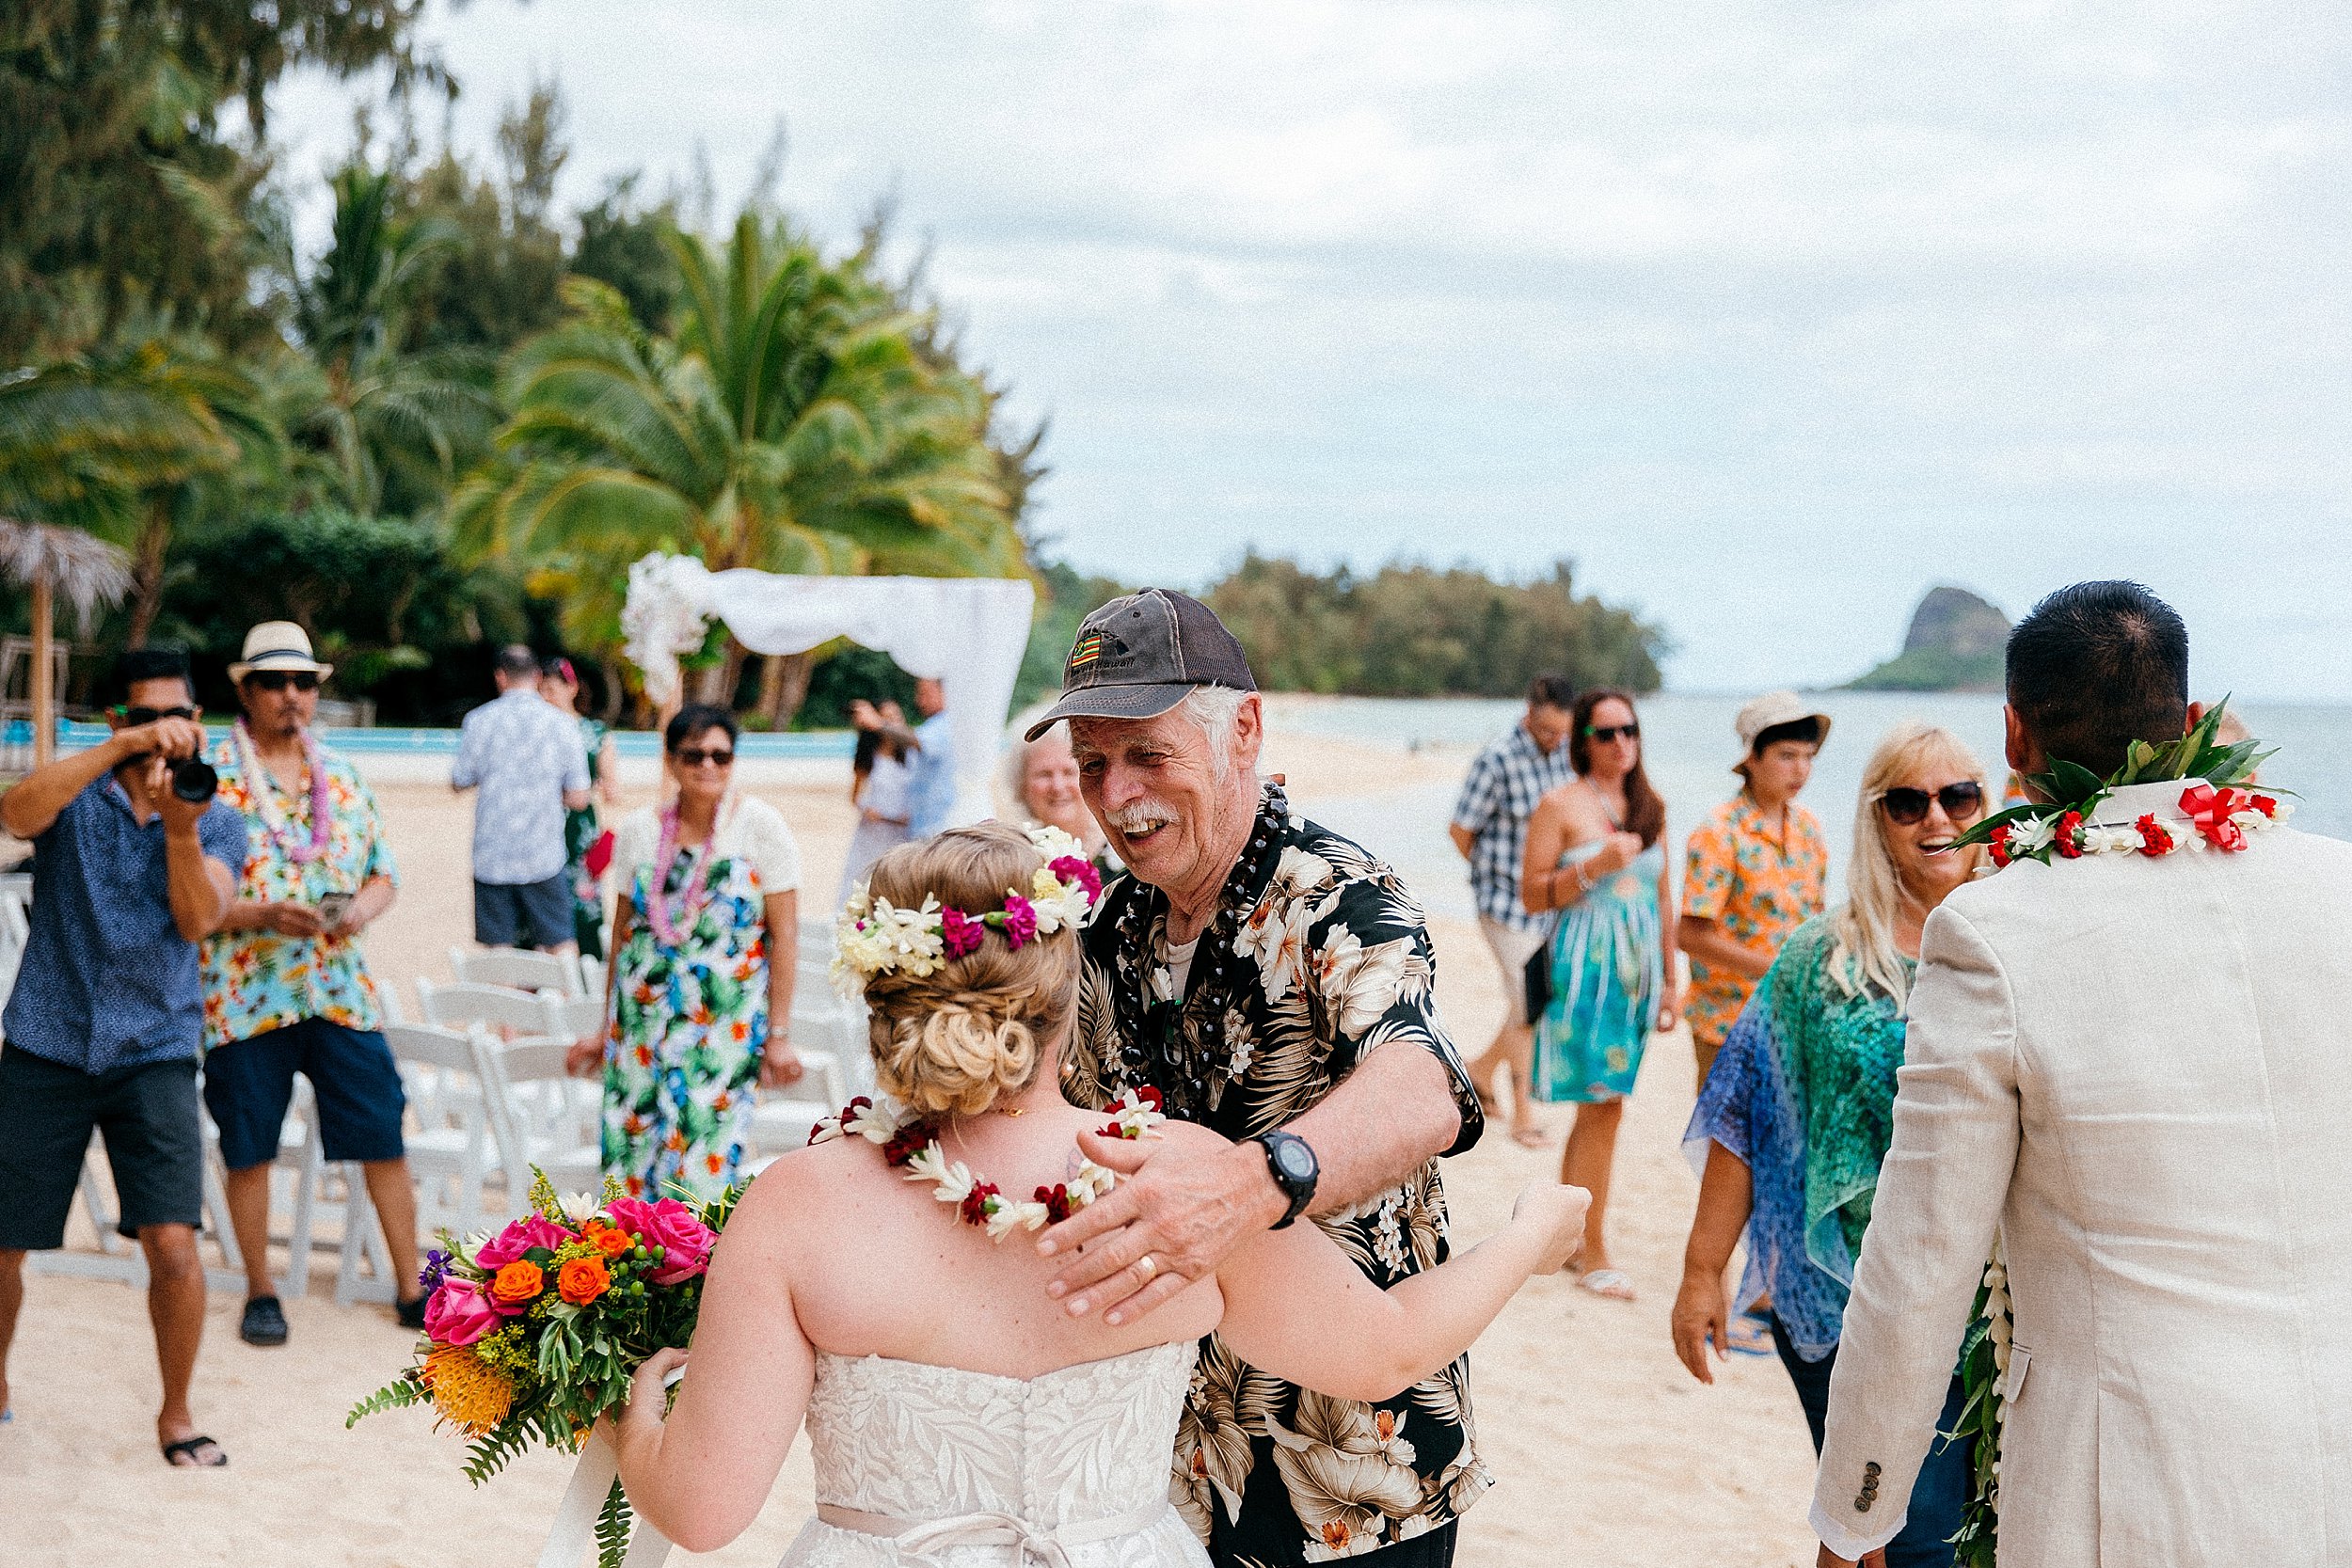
[459, 1313]
[685, 1241]
[519, 1238]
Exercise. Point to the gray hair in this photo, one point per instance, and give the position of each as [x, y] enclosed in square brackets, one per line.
[1216, 709]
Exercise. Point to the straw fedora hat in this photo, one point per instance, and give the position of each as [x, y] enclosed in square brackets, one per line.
[278, 645]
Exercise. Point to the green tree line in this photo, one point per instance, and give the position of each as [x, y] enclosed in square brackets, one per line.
[1404, 630]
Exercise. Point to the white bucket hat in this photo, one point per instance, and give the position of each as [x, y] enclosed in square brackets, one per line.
[1770, 711]
[278, 645]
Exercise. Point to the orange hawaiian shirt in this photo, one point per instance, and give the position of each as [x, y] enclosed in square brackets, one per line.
[1758, 887]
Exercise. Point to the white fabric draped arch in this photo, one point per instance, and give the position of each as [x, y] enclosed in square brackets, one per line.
[967, 633]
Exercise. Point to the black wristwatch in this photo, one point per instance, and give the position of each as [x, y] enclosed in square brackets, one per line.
[1295, 1169]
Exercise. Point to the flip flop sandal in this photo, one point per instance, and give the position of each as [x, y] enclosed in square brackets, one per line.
[264, 1322]
[1611, 1283]
[1529, 1136]
[193, 1449]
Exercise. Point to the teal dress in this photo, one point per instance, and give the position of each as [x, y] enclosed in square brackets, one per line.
[1606, 976]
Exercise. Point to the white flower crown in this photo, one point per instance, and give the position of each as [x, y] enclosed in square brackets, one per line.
[875, 937]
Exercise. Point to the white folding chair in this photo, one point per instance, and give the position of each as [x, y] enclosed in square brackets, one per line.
[574, 1015]
[541, 1114]
[592, 976]
[496, 1008]
[516, 969]
[453, 1154]
[15, 930]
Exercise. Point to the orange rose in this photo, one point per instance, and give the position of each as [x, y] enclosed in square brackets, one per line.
[582, 1280]
[518, 1282]
[612, 1242]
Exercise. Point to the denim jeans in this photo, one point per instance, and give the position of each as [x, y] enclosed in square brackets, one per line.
[1947, 1480]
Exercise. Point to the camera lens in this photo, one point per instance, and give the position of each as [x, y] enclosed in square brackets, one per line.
[193, 780]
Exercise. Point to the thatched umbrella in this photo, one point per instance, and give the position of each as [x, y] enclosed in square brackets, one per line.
[52, 561]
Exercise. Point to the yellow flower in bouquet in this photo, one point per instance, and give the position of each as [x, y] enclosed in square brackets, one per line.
[470, 1395]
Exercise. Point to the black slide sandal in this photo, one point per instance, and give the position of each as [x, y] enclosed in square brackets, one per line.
[191, 1446]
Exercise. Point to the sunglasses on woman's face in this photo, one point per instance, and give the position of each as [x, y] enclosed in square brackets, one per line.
[1607, 733]
[277, 680]
[694, 756]
[1960, 802]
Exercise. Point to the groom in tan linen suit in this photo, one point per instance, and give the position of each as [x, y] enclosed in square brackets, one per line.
[2139, 1070]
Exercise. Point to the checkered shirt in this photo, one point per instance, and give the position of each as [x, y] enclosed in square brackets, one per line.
[1497, 798]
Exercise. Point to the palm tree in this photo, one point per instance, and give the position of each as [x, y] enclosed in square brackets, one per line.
[381, 424]
[114, 442]
[791, 424]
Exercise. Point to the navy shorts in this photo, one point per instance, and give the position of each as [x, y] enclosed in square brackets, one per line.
[524, 914]
[154, 1142]
[249, 1083]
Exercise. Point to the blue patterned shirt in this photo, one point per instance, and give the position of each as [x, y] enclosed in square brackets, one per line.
[1497, 798]
[107, 980]
[523, 753]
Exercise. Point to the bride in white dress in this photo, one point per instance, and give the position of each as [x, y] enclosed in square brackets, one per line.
[957, 1416]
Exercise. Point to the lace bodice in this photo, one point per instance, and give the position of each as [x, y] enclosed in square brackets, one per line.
[1079, 1457]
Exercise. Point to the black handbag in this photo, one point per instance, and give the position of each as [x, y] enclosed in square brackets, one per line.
[1535, 979]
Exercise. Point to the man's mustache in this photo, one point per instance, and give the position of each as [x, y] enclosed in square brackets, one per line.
[1139, 817]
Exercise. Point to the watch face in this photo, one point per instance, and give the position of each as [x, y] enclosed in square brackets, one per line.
[1296, 1159]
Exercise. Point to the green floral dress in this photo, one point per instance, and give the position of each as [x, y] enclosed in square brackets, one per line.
[690, 1023]
[579, 836]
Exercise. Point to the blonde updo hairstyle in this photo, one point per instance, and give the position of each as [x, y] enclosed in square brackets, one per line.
[956, 1041]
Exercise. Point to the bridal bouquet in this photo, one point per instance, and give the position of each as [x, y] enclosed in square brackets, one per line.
[533, 1332]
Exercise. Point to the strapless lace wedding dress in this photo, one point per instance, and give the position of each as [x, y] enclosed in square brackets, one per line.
[923, 1466]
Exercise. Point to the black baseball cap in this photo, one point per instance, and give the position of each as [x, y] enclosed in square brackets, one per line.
[1139, 656]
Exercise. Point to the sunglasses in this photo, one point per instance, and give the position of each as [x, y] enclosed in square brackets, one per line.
[1607, 733]
[277, 680]
[133, 717]
[1960, 802]
[694, 756]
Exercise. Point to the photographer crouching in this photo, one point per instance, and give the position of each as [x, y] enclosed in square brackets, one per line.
[134, 862]
[286, 988]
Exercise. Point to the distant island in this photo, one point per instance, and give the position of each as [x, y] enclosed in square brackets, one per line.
[1955, 645]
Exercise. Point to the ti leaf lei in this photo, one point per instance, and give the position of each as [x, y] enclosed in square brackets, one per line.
[2059, 824]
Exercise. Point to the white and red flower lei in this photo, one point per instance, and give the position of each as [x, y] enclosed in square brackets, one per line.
[2219, 818]
[875, 936]
[912, 1143]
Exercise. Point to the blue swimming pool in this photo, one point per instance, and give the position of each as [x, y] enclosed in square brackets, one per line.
[817, 745]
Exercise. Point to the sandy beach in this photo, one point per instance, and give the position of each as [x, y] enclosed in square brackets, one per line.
[1607, 1452]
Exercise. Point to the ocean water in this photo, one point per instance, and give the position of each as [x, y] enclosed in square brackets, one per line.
[1688, 745]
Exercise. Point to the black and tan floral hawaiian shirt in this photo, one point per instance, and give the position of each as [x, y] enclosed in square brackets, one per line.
[1316, 957]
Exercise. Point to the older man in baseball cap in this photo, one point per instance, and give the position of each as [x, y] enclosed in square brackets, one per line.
[1273, 981]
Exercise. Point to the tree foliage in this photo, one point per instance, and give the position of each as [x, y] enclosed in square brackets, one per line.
[1410, 630]
[120, 187]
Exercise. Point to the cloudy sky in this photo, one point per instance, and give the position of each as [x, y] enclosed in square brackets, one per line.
[1767, 315]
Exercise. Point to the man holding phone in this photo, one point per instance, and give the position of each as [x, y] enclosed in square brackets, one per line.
[286, 988]
[129, 874]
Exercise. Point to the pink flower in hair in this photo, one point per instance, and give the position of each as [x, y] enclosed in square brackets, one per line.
[1070, 869]
[1019, 920]
[960, 933]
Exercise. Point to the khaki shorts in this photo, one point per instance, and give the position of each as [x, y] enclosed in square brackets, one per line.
[1512, 948]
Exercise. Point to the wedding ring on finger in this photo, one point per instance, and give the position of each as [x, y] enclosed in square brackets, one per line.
[1149, 1267]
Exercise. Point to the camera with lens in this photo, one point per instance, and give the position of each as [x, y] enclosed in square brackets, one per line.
[194, 780]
